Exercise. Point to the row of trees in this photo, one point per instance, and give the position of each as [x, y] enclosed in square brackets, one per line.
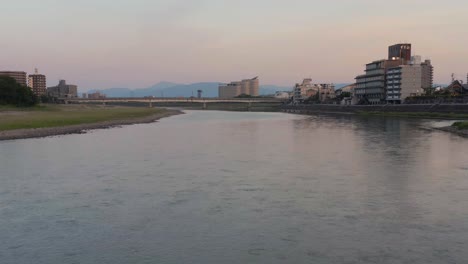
[13, 93]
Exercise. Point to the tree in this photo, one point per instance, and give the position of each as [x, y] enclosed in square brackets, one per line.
[13, 93]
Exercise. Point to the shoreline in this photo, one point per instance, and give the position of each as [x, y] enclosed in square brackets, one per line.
[82, 128]
[454, 130]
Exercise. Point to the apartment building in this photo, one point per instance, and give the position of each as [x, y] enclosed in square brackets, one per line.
[37, 83]
[308, 89]
[19, 76]
[63, 90]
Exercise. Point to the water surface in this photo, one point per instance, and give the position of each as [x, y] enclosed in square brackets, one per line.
[226, 187]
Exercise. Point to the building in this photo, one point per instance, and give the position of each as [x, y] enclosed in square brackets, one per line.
[19, 76]
[400, 51]
[301, 91]
[408, 80]
[63, 90]
[326, 92]
[427, 74]
[245, 87]
[229, 90]
[96, 95]
[349, 91]
[37, 83]
[371, 87]
[308, 89]
[457, 88]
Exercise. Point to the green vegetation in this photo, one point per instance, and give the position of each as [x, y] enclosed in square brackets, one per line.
[461, 125]
[64, 115]
[13, 93]
[416, 114]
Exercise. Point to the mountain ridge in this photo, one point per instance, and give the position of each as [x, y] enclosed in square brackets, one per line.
[170, 89]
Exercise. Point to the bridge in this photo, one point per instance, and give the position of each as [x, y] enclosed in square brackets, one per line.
[152, 100]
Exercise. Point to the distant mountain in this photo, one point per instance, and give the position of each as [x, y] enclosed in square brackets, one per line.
[168, 89]
[271, 89]
[341, 85]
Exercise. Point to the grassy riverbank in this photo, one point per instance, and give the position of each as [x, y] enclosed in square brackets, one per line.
[44, 116]
[461, 125]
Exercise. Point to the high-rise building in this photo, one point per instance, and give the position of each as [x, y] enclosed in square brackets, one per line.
[37, 83]
[408, 80]
[400, 51]
[370, 87]
[63, 90]
[245, 87]
[19, 76]
[427, 74]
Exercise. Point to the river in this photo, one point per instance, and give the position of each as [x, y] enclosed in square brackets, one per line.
[229, 187]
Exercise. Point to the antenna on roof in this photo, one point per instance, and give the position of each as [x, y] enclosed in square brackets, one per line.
[35, 70]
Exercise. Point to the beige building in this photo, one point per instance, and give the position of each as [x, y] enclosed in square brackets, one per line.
[19, 76]
[37, 83]
[308, 89]
[96, 95]
[245, 87]
[63, 90]
[326, 92]
[408, 80]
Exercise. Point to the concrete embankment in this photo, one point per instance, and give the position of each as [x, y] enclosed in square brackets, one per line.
[81, 128]
[353, 109]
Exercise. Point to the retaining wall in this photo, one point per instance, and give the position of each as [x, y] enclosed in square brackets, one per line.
[423, 108]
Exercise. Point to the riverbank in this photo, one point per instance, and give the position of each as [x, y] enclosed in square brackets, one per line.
[444, 112]
[459, 128]
[219, 106]
[436, 111]
[51, 120]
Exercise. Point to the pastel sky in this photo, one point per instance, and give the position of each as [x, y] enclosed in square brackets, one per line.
[99, 44]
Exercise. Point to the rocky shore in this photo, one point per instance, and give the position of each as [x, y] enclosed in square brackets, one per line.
[455, 130]
[82, 128]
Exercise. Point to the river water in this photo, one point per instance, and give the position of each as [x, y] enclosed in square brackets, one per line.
[227, 187]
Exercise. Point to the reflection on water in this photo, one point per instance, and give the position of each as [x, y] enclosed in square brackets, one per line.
[220, 187]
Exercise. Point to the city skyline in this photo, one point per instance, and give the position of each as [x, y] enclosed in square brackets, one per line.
[135, 44]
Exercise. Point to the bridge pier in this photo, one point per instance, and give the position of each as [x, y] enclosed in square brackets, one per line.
[150, 104]
[250, 106]
[104, 103]
[204, 105]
